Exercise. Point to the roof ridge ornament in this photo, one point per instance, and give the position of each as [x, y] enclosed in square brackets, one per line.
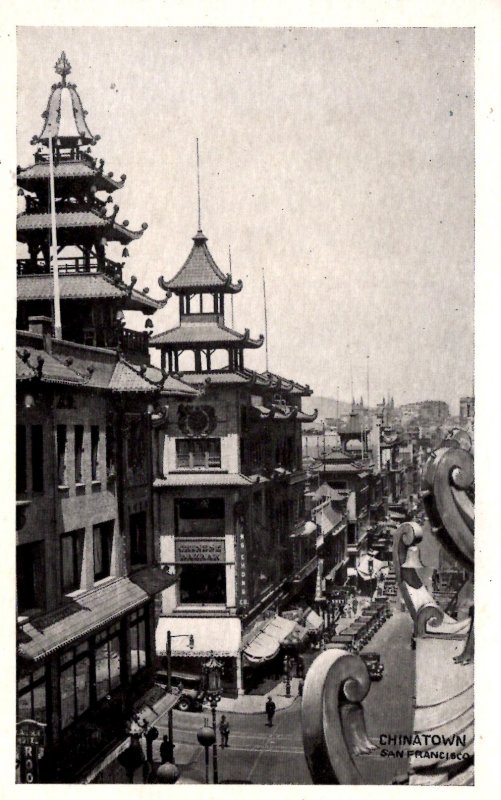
[63, 67]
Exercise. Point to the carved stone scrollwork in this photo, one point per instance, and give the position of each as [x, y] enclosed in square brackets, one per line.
[426, 614]
[333, 723]
[449, 502]
[448, 499]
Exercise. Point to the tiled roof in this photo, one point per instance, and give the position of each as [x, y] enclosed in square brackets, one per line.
[89, 612]
[126, 378]
[76, 219]
[51, 369]
[204, 333]
[92, 285]
[68, 169]
[201, 271]
[203, 479]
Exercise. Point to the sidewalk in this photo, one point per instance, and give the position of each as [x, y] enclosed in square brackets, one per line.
[255, 703]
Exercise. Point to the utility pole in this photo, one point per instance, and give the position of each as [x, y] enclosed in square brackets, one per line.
[55, 265]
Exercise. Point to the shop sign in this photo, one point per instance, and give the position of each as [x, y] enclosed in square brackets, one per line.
[30, 738]
[205, 551]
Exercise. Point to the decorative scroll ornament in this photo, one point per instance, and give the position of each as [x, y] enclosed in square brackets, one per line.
[197, 420]
[333, 722]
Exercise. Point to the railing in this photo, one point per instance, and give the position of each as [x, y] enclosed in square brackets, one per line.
[70, 265]
[72, 154]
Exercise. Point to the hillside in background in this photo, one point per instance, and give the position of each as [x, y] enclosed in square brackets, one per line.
[327, 406]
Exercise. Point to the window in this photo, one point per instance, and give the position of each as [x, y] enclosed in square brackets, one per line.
[31, 696]
[37, 457]
[61, 454]
[21, 483]
[200, 517]
[137, 533]
[30, 576]
[74, 684]
[79, 433]
[138, 637]
[71, 560]
[196, 453]
[103, 543]
[110, 450]
[107, 655]
[202, 583]
[94, 446]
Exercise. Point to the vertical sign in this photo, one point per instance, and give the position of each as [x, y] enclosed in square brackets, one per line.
[30, 741]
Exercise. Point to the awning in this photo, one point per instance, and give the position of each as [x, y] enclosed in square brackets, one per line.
[267, 641]
[221, 635]
[313, 621]
[89, 612]
[363, 567]
[297, 636]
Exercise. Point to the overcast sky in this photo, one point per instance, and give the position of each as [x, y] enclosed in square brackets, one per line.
[340, 160]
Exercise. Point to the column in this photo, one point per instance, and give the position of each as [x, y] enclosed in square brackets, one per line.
[240, 685]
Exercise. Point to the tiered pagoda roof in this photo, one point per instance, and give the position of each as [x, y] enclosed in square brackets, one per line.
[196, 330]
[200, 273]
[78, 222]
[90, 285]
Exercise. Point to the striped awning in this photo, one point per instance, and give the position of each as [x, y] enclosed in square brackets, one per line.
[267, 641]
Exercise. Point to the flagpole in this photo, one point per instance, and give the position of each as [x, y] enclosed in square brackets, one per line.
[265, 320]
[55, 265]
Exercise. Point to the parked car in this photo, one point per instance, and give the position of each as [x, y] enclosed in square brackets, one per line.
[373, 664]
[189, 686]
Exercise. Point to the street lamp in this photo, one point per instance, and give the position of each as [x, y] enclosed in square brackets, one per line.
[212, 685]
[206, 737]
[287, 673]
[168, 653]
[167, 773]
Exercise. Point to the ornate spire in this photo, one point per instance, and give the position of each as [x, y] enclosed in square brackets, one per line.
[63, 67]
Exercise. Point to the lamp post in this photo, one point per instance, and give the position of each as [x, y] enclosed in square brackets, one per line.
[206, 737]
[168, 653]
[287, 674]
[212, 684]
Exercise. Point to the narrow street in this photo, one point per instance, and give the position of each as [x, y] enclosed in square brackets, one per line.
[258, 754]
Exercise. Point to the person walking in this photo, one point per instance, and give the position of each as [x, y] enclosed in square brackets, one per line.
[270, 711]
[300, 688]
[224, 731]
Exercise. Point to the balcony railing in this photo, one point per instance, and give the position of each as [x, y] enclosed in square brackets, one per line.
[70, 265]
[71, 154]
[133, 341]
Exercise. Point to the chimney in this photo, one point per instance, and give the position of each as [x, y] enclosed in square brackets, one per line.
[42, 326]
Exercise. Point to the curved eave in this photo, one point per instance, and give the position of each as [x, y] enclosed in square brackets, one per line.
[302, 416]
[76, 220]
[38, 181]
[167, 339]
[200, 273]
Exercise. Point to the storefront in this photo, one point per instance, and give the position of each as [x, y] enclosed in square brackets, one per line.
[195, 639]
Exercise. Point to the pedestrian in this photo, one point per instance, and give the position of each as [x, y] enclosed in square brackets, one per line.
[270, 711]
[224, 731]
[300, 687]
[166, 751]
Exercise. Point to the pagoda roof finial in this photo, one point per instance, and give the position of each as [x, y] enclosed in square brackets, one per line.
[63, 67]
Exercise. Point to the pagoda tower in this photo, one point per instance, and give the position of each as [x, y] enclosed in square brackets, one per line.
[201, 287]
[93, 293]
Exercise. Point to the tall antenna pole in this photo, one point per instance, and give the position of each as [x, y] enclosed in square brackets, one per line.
[198, 190]
[55, 265]
[337, 404]
[265, 321]
[368, 400]
[351, 377]
[231, 276]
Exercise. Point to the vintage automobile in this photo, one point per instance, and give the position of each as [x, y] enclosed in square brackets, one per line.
[189, 687]
[373, 664]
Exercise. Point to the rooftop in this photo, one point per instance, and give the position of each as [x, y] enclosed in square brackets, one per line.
[79, 286]
[204, 333]
[83, 219]
[200, 272]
